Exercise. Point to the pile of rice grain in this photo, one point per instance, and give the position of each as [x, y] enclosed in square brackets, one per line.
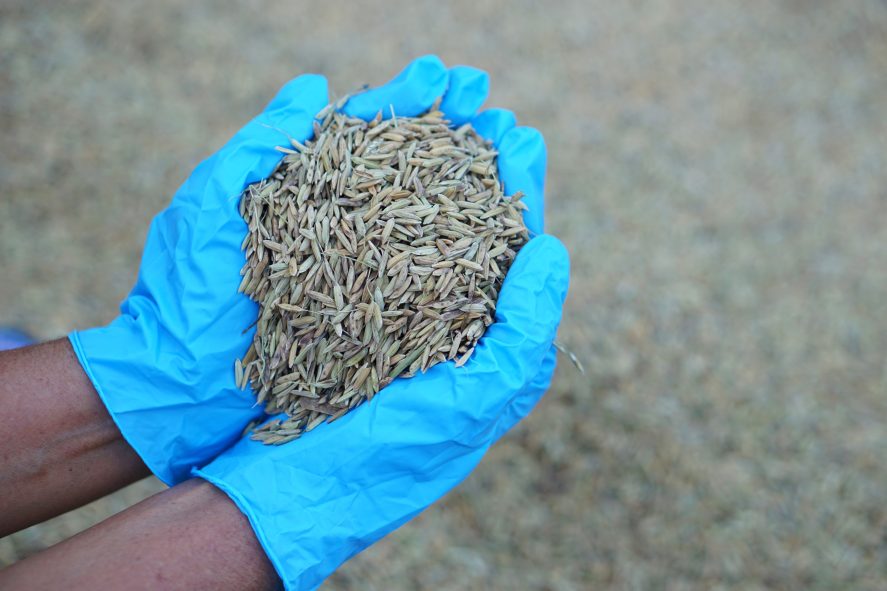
[374, 251]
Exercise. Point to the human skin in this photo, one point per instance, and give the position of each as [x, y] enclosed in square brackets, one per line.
[59, 447]
[190, 536]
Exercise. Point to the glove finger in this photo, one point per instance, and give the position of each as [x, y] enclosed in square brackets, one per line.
[522, 162]
[410, 93]
[308, 88]
[468, 89]
[493, 124]
[524, 402]
[529, 308]
[511, 353]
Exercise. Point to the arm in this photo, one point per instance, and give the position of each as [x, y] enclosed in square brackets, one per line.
[188, 537]
[60, 449]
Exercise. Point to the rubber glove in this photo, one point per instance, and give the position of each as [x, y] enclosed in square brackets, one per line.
[320, 499]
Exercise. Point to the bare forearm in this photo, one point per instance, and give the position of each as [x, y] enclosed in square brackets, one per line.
[59, 448]
[188, 537]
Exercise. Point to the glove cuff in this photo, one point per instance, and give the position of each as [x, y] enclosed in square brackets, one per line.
[91, 344]
[254, 522]
[172, 414]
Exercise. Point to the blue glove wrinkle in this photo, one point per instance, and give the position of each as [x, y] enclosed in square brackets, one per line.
[493, 124]
[467, 91]
[411, 92]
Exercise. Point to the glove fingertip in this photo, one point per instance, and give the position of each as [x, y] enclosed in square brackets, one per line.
[410, 93]
[467, 91]
[425, 64]
[308, 89]
[493, 124]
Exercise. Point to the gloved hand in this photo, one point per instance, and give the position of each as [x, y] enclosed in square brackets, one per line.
[164, 367]
[319, 500]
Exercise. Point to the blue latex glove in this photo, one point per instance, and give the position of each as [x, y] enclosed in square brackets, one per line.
[164, 367]
[319, 500]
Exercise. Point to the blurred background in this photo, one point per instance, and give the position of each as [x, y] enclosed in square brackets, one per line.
[718, 171]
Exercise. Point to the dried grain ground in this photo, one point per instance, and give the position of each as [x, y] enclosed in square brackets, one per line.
[718, 172]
